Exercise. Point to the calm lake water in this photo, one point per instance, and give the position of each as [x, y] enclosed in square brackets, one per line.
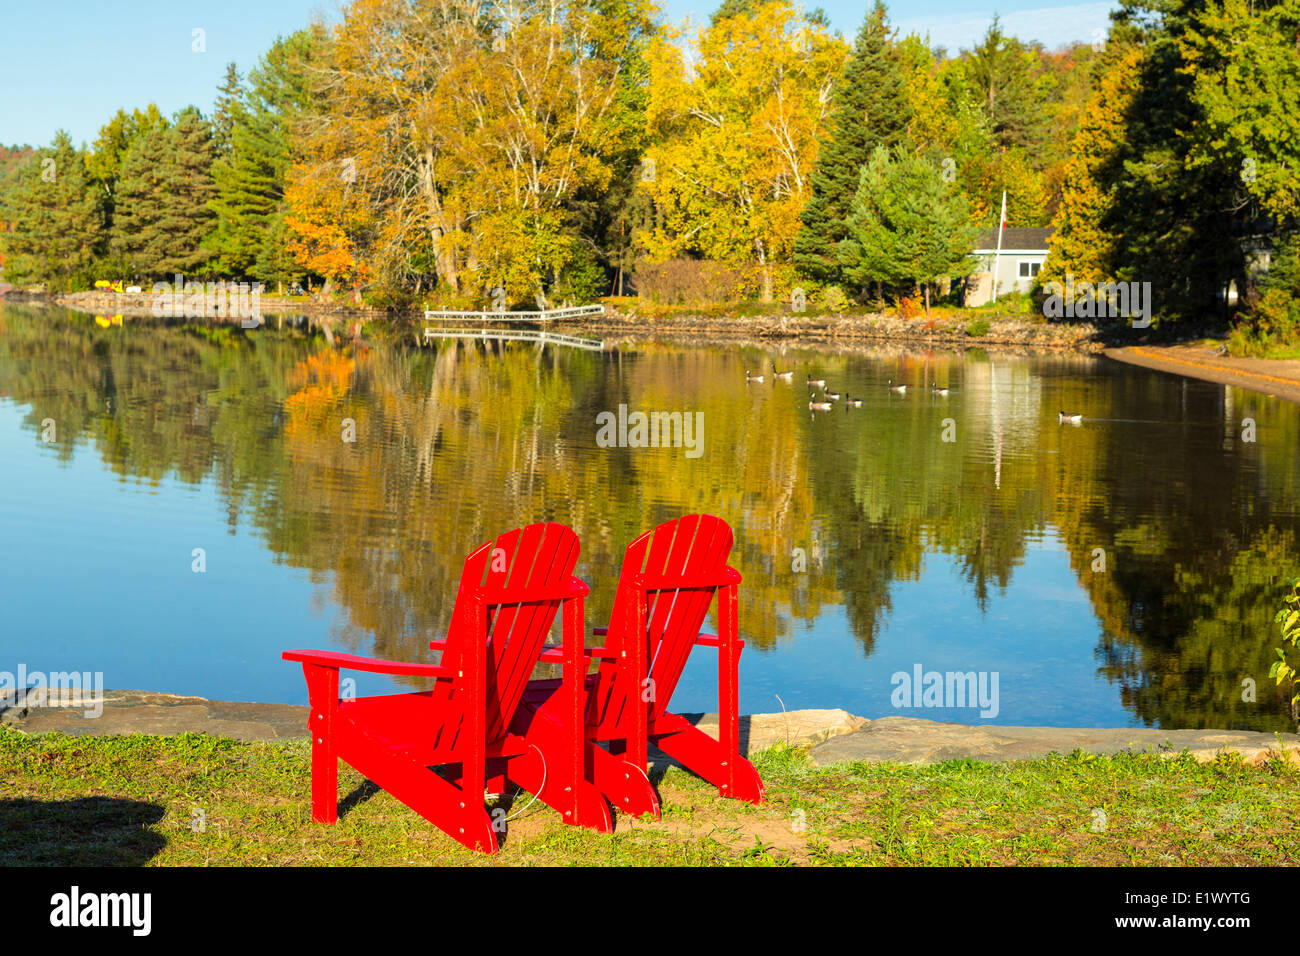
[1124, 571]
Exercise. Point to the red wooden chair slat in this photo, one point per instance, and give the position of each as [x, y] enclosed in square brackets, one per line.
[498, 627]
[511, 635]
[711, 548]
[673, 573]
[677, 564]
[533, 621]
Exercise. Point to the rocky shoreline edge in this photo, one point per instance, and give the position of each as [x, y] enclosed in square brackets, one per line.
[871, 333]
[830, 736]
[1003, 330]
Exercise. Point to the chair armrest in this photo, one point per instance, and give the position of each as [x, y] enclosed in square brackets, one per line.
[437, 645]
[373, 665]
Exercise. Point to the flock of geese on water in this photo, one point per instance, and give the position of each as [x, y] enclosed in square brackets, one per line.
[829, 398]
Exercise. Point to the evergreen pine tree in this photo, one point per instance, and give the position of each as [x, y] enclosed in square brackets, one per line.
[136, 240]
[275, 265]
[230, 100]
[104, 161]
[189, 189]
[870, 110]
[249, 178]
[747, 8]
[247, 190]
[905, 223]
[162, 213]
[734, 8]
[104, 164]
[1181, 223]
[1002, 72]
[57, 221]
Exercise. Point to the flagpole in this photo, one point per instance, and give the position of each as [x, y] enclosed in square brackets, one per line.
[997, 259]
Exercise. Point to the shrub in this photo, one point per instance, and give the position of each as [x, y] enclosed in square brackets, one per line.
[1271, 320]
[690, 282]
[1288, 616]
[834, 300]
[978, 328]
[581, 281]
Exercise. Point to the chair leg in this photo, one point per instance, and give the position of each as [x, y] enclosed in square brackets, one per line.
[324, 783]
[617, 779]
[732, 774]
[624, 783]
[455, 811]
[323, 697]
[578, 802]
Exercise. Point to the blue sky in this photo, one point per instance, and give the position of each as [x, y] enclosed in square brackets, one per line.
[73, 63]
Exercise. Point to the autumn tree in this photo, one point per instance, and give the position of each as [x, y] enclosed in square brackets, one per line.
[369, 152]
[607, 219]
[453, 140]
[737, 135]
[1084, 228]
[538, 124]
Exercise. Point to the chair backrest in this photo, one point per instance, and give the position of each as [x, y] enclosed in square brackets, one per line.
[684, 552]
[538, 558]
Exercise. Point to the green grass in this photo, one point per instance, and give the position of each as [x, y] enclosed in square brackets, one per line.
[1247, 343]
[140, 799]
[1283, 352]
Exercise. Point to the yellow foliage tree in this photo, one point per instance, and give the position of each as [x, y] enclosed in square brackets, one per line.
[736, 134]
[1083, 243]
[453, 139]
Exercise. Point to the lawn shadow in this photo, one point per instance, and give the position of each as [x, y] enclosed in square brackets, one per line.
[89, 831]
[366, 790]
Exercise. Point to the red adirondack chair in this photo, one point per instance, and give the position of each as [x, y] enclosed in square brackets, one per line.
[669, 578]
[510, 591]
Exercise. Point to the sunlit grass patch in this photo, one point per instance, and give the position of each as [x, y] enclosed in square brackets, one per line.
[193, 799]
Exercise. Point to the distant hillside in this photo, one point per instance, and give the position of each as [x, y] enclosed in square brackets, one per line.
[11, 160]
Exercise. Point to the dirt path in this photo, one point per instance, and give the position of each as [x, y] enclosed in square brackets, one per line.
[1278, 377]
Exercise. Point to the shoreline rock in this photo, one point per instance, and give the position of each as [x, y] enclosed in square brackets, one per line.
[914, 741]
[831, 736]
